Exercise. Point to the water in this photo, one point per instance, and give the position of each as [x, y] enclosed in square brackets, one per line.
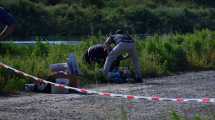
[49, 42]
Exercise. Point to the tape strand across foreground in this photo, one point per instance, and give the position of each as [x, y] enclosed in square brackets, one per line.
[205, 100]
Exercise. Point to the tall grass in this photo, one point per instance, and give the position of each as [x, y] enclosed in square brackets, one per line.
[172, 53]
[159, 55]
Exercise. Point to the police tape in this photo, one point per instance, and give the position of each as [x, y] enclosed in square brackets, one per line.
[205, 100]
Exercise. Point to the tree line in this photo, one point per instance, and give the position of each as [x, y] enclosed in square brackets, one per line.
[90, 17]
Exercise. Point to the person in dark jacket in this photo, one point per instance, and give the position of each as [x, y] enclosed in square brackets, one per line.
[97, 54]
[8, 23]
[123, 44]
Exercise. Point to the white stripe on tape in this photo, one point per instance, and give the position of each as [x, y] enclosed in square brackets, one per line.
[129, 97]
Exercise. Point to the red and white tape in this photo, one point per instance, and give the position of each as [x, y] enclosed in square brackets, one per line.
[205, 100]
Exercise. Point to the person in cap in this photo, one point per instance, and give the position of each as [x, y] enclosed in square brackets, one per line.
[123, 44]
[8, 23]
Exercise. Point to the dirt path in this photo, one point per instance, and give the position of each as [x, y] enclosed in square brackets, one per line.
[75, 107]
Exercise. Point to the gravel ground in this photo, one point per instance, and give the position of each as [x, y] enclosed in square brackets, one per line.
[32, 106]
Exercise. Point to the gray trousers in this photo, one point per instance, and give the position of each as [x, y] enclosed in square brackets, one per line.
[119, 49]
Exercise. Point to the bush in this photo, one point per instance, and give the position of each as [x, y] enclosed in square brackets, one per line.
[79, 18]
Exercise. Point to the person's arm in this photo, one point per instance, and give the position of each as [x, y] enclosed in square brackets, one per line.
[108, 44]
[108, 41]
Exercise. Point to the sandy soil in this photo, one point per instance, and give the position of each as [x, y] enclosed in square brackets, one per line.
[33, 106]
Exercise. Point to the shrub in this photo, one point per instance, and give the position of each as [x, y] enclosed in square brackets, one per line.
[68, 18]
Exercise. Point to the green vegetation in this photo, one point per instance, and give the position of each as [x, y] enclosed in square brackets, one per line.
[183, 37]
[90, 17]
[177, 116]
[159, 55]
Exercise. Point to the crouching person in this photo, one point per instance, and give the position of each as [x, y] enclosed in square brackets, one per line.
[123, 44]
[98, 53]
